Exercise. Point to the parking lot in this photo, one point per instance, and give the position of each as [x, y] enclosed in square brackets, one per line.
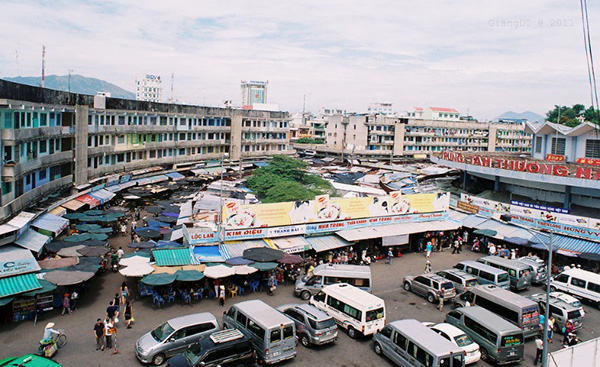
[21, 338]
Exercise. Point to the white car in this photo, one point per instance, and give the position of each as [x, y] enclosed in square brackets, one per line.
[459, 338]
[568, 299]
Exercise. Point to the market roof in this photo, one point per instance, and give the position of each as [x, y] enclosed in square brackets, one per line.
[87, 199]
[172, 257]
[175, 175]
[328, 242]
[23, 260]
[397, 229]
[73, 205]
[236, 249]
[102, 195]
[51, 222]
[18, 284]
[290, 244]
[33, 240]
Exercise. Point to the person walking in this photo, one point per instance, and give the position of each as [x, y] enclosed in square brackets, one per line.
[99, 334]
[455, 249]
[120, 253]
[222, 295]
[539, 348]
[128, 314]
[428, 248]
[427, 267]
[271, 284]
[108, 332]
[112, 312]
[551, 322]
[388, 259]
[124, 293]
[66, 303]
[74, 297]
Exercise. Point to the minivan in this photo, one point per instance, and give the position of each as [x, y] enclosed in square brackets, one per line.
[227, 348]
[410, 343]
[313, 326]
[539, 274]
[560, 310]
[485, 274]
[272, 333]
[174, 336]
[579, 283]
[519, 310]
[327, 274]
[430, 286]
[520, 273]
[499, 340]
[462, 280]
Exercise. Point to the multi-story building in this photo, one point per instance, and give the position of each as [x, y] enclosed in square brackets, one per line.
[148, 88]
[434, 113]
[380, 108]
[52, 140]
[253, 92]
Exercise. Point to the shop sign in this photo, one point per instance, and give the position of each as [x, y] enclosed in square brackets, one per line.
[469, 208]
[555, 158]
[591, 161]
[15, 267]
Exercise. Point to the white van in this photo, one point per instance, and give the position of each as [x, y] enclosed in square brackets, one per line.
[579, 283]
[327, 274]
[352, 308]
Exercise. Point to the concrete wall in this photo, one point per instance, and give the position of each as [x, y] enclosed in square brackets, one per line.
[81, 148]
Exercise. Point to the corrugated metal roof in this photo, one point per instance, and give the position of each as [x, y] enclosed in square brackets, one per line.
[18, 284]
[325, 243]
[175, 175]
[236, 249]
[51, 222]
[291, 244]
[473, 220]
[33, 240]
[73, 205]
[397, 229]
[575, 244]
[172, 257]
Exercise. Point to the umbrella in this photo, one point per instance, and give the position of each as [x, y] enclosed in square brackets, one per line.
[219, 271]
[188, 275]
[137, 270]
[74, 216]
[62, 277]
[131, 197]
[486, 232]
[85, 267]
[90, 260]
[78, 238]
[164, 231]
[147, 232]
[93, 251]
[165, 244]
[158, 279]
[238, 261]
[174, 269]
[263, 254]
[154, 209]
[70, 251]
[94, 212]
[166, 219]
[94, 243]
[144, 244]
[88, 227]
[116, 213]
[133, 260]
[590, 256]
[101, 230]
[46, 287]
[169, 214]
[290, 259]
[244, 270]
[156, 223]
[56, 246]
[264, 266]
[57, 263]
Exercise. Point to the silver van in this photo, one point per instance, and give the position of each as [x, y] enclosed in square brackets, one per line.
[430, 286]
[272, 333]
[313, 326]
[560, 310]
[499, 340]
[174, 336]
[539, 274]
[520, 273]
[327, 274]
[410, 343]
[462, 280]
[485, 274]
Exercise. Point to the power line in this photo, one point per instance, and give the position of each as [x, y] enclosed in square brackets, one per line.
[585, 23]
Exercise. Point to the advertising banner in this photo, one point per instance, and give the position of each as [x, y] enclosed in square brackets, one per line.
[486, 207]
[555, 158]
[198, 235]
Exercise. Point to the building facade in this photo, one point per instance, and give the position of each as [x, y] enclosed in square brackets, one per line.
[253, 92]
[148, 88]
[434, 113]
[381, 108]
[53, 140]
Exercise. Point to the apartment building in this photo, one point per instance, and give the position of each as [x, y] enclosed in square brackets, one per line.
[53, 140]
[148, 88]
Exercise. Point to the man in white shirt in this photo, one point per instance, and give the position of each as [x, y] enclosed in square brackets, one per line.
[120, 253]
[539, 348]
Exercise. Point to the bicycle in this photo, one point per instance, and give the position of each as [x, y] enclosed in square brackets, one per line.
[61, 339]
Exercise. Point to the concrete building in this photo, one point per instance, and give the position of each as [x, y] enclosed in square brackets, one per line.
[253, 92]
[53, 140]
[434, 113]
[148, 88]
[380, 108]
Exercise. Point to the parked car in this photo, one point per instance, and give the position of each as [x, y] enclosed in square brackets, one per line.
[430, 286]
[174, 336]
[569, 299]
[462, 280]
[459, 338]
[227, 348]
[313, 326]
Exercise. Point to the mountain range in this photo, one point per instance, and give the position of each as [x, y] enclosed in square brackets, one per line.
[527, 115]
[79, 84]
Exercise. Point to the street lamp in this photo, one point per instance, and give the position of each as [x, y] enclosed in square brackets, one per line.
[221, 200]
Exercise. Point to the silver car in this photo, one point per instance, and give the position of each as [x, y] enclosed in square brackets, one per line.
[430, 286]
[313, 326]
[174, 336]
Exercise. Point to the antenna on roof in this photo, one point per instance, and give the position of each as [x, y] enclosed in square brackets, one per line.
[43, 66]
[172, 82]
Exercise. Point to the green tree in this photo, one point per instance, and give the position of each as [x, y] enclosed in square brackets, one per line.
[571, 116]
[309, 141]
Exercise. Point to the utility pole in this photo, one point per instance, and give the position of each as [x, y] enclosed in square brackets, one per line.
[70, 71]
[43, 66]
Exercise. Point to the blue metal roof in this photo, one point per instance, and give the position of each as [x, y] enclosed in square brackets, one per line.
[575, 244]
[236, 249]
[473, 220]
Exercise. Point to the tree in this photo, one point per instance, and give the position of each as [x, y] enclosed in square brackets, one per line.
[310, 141]
[572, 116]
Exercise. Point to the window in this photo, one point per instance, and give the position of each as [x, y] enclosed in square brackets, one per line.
[424, 281]
[275, 336]
[288, 332]
[558, 146]
[42, 175]
[43, 146]
[538, 144]
[121, 139]
[294, 315]
[256, 330]
[480, 329]
[510, 315]
[592, 148]
[400, 340]
[197, 329]
[6, 188]
[578, 282]
[241, 318]
[487, 276]
[319, 297]
[563, 278]
[593, 287]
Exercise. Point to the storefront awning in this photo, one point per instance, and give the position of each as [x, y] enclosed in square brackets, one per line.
[73, 205]
[326, 243]
[33, 240]
[172, 257]
[103, 195]
[18, 284]
[291, 244]
[87, 199]
[59, 211]
[174, 176]
[51, 223]
[236, 249]
[21, 220]
[575, 244]
[199, 171]
[206, 254]
[158, 178]
[397, 229]
[16, 260]
[213, 170]
[473, 220]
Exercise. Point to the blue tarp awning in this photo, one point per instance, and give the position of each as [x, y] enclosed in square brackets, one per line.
[102, 195]
[33, 240]
[51, 223]
[175, 175]
[206, 254]
[575, 244]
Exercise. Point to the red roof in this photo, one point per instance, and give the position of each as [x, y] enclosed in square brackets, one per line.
[442, 109]
[418, 108]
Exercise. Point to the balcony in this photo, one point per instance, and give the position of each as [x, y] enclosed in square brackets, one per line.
[42, 162]
[37, 133]
[32, 196]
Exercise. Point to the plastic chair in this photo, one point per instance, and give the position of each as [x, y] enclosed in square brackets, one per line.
[233, 291]
[254, 286]
[211, 295]
[171, 298]
[240, 290]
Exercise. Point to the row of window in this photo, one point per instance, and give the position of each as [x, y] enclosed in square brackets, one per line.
[558, 146]
[145, 120]
[22, 120]
[103, 140]
[264, 148]
[119, 158]
[265, 124]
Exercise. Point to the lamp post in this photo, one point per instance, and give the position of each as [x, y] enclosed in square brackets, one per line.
[221, 200]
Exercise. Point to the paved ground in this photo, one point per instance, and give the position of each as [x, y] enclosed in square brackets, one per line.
[23, 337]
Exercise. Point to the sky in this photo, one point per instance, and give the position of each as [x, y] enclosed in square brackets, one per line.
[482, 57]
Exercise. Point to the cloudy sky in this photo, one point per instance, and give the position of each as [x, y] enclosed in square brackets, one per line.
[483, 56]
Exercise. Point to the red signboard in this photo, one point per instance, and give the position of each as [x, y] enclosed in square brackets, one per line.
[555, 158]
[592, 161]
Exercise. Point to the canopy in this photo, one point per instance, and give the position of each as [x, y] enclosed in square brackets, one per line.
[291, 244]
[33, 240]
[15, 260]
[238, 261]
[103, 195]
[56, 246]
[169, 244]
[91, 243]
[87, 199]
[61, 277]
[137, 270]
[87, 227]
[135, 259]
[73, 205]
[84, 267]
[144, 244]
[78, 238]
[174, 269]
[266, 266]
[397, 229]
[46, 287]
[74, 216]
[62, 262]
[590, 256]
[154, 209]
[485, 232]
[204, 254]
[92, 251]
[290, 259]
[175, 176]
[219, 271]
[326, 243]
[148, 232]
[51, 223]
[18, 284]
[58, 211]
[172, 257]
[158, 279]
[264, 254]
[244, 270]
[70, 251]
[94, 212]
[188, 275]
[4, 301]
